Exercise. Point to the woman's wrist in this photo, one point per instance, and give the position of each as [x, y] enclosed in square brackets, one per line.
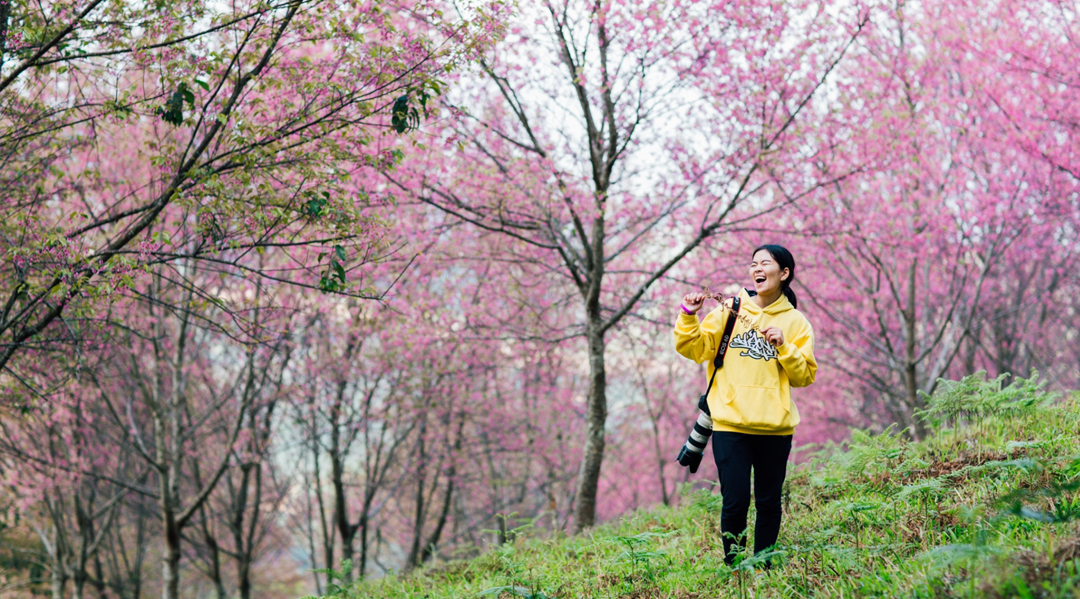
[687, 311]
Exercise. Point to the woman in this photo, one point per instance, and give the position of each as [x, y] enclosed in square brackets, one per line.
[753, 417]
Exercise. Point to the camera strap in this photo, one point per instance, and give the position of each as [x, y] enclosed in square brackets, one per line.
[718, 361]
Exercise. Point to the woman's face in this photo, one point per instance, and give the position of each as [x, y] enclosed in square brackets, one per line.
[766, 273]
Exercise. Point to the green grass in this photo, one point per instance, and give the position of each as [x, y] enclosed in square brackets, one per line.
[987, 506]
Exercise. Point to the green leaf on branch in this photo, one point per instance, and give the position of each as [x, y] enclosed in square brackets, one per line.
[328, 285]
[335, 278]
[173, 111]
[314, 207]
[404, 117]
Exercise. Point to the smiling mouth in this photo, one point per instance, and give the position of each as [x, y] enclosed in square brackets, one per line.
[759, 279]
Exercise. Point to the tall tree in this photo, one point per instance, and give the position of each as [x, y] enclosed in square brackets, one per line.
[116, 155]
[947, 196]
[608, 140]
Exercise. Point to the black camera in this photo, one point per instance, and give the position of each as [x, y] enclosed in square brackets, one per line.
[692, 450]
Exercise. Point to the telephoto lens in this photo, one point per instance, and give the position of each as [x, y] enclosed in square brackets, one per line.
[690, 454]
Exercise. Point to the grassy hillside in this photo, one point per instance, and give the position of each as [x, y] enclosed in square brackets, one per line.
[987, 506]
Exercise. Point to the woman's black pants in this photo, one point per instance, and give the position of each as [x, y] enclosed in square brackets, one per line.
[736, 454]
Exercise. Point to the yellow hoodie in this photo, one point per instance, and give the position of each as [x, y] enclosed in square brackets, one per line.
[752, 391]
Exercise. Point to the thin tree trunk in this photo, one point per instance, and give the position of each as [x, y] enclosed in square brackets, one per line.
[58, 575]
[341, 515]
[78, 582]
[496, 499]
[972, 351]
[167, 429]
[58, 580]
[911, 381]
[339, 448]
[654, 422]
[429, 548]
[99, 578]
[324, 528]
[170, 571]
[215, 552]
[451, 472]
[596, 419]
[361, 568]
[81, 556]
[135, 572]
[245, 549]
[413, 559]
[126, 570]
[660, 462]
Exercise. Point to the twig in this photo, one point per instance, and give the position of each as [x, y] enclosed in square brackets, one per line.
[709, 293]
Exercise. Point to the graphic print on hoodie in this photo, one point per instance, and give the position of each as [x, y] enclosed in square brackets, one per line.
[756, 346]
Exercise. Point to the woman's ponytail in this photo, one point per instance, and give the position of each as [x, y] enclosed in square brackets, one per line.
[784, 259]
[790, 294]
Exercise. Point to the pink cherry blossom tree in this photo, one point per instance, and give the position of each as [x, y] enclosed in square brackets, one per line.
[215, 134]
[906, 257]
[527, 248]
[608, 141]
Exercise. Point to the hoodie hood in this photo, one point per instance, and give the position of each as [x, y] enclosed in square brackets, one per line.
[779, 306]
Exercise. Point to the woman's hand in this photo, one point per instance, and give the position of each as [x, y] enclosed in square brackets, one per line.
[773, 335]
[692, 302]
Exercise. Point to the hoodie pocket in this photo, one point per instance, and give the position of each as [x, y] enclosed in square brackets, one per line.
[760, 407]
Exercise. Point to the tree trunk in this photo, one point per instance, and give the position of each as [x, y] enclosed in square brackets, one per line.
[131, 574]
[170, 566]
[971, 352]
[244, 575]
[324, 528]
[361, 568]
[99, 578]
[78, 581]
[245, 548]
[341, 515]
[661, 461]
[58, 580]
[214, 549]
[451, 473]
[215, 570]
[170, 571]
[911, 348]
[429, 548]
[167, 432]
[413, 559]
[338, 450]
[658, 452]
[596, 415]
[81, 555]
